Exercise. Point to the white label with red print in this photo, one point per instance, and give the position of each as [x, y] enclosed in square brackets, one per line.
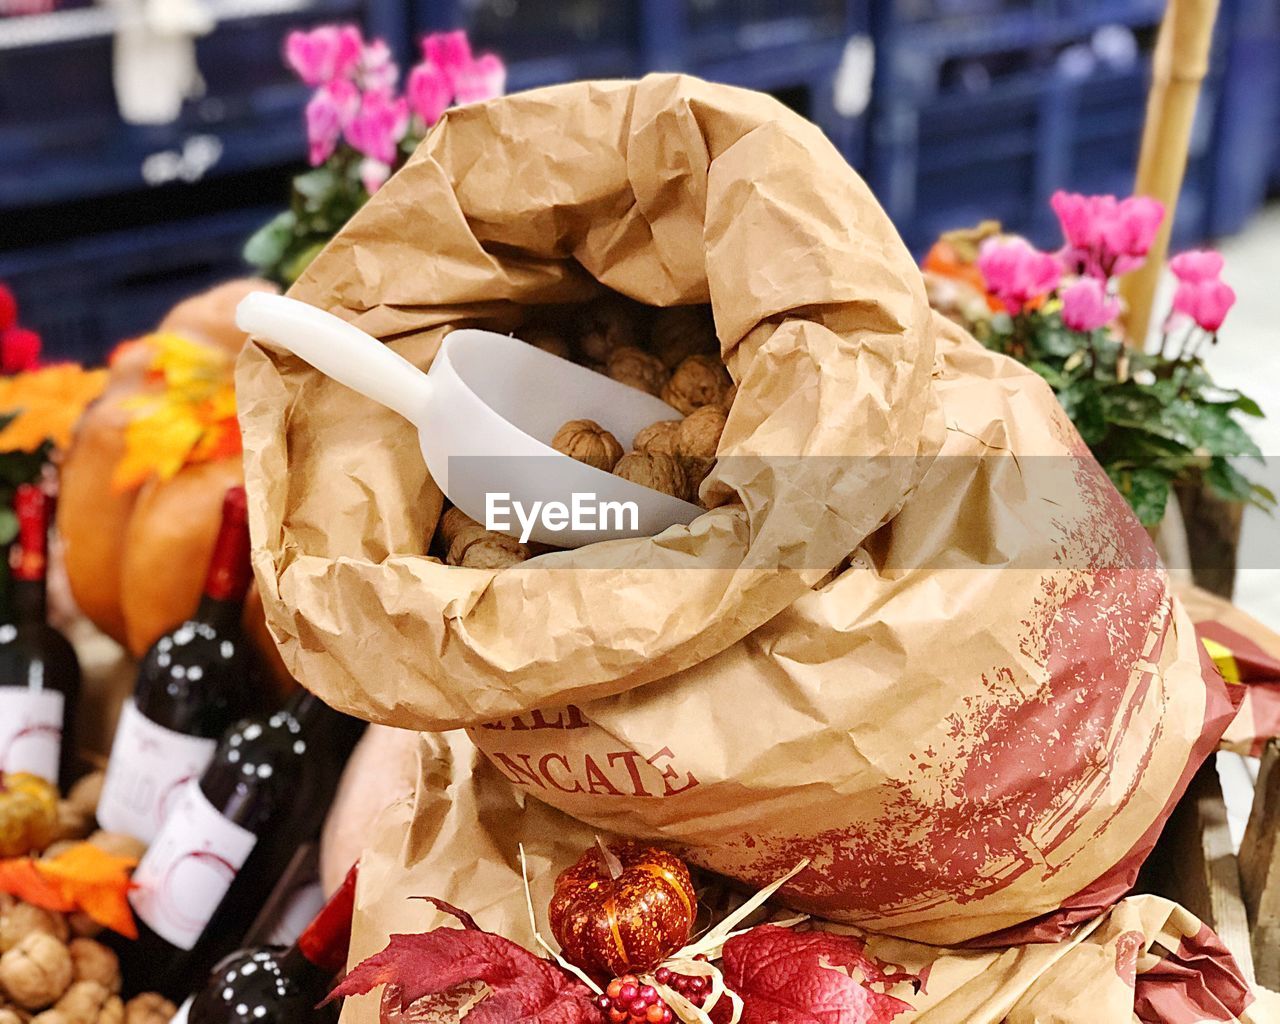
[187, 871]
[31, 731]
[148, 769]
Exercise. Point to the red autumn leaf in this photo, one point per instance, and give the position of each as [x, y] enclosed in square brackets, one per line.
[466, 919]
[788, 977]
[522, 988]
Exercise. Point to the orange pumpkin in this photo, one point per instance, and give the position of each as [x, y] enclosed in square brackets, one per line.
[136, 557]
[622, 909]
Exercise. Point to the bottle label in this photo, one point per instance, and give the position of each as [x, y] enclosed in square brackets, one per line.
[31, 731]
[148, 769]
[186, 872]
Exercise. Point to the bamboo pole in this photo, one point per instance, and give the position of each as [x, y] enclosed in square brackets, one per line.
[1180, 62]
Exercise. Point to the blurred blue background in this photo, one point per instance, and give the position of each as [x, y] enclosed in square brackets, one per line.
[954, 110]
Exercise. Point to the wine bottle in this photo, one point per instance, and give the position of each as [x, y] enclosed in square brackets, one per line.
[39, 673]
[230, 835]
[273, 985]
[192, 684]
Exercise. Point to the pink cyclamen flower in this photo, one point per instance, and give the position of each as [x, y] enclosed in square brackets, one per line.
[325, 53]
[328, 113]
[1197, 265]
[1086, 306]
[378, 126]
[450, 52]
[428, 92]
[483, 79]
[1129, 230]
[1016, 272]
[373, 174]
[1081, 218]
[1105, 236]
[378, 69]
[1205, 302]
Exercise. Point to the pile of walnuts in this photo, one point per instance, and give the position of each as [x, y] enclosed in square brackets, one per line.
[52, 971]
[670, 353]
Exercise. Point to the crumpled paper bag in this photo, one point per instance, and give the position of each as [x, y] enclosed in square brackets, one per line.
[1144, 960]
[920, 640]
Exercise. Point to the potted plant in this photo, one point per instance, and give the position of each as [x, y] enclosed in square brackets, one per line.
[1154, 418]
[360, 129]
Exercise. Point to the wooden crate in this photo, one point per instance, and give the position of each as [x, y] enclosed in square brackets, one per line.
[1236, 895]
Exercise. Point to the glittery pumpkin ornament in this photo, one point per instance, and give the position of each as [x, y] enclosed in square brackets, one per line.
[624, 909]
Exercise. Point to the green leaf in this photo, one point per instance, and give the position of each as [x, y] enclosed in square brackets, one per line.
[1227, 482]
[21, 468]
[1083, 404]
[317, 188]
[1146, 490]
[266, 246]
[1216, 430]
[1248, 406]
[300, 260]
[1264, 498]
[1055, 379]
[8, 526]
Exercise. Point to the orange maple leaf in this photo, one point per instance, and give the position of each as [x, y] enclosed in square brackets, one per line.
[82, 877]
[47, 403]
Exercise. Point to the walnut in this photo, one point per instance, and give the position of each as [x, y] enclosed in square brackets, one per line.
[698, 436]
[494, 554]
[22, 919]
[636, 367]
[657, 472]
[696, 444]
[92, 961]
[149, 1008]
[658, 438]
[36, 971]
[85, 793]
[453, 522]
[607, 323]
[547, 340]
[726, 400]
[73, 823]
[85, 1002]
[118, 844]
[470, 544]
[82, 925]
[683, 331]
[587, 441]
[697, 381]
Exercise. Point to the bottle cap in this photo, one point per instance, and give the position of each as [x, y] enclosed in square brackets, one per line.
[229, 570]
[327, 939]
[29, 555]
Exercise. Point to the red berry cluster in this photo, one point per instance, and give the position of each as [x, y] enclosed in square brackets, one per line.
[693, 987]
[627, 1001]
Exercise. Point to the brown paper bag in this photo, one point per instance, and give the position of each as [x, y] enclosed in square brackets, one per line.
[974, 729]
[1247, 653]
[1144, 960]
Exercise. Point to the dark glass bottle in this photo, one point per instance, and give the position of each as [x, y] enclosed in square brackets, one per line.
[230, 836]
[274, 985]
[39, 673]
[192, 684]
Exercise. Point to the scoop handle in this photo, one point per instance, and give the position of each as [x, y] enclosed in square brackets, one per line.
[338, 349]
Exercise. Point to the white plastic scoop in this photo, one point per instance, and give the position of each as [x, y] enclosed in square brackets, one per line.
[486, 412]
